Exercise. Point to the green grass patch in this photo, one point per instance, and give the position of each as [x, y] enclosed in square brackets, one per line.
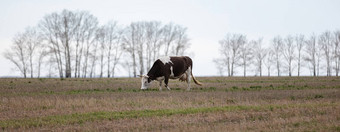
[255, 87]
[204, 89]
[336, 128]
[83, 91]
[234, 87]
[80, 118]
[318, 96]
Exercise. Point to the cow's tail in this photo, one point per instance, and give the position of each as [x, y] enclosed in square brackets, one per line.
[196, 81]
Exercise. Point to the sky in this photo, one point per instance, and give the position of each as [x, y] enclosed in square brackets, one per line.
[207, 21]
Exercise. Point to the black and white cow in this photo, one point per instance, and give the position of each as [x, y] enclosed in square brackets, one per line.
[166, 68]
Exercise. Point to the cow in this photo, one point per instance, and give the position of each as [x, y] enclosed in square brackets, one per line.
[169, 67]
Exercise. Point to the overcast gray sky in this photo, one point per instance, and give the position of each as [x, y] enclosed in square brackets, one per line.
[207, 20]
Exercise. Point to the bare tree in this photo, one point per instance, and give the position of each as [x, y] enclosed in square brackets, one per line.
[237, 41]
[57, 30]
[225, 52]
[300, 43]
[270, 60]
[134, 42]
[42, 53]
[26, 50]
[18, 54]
[101, 38]
[326, 46]
[79, 39]
[337, 52]
[139, 38]
[245, 54]
[311, 54]
[32, 41]
[94, 57]
[110, 35]
[153, 36]
[288, 49]
[64, 31]
[318, 58]
[87, 29]
[277, 48]
[259, 54]
[130, 46]
[50, 31]
[113, 36]
[169, 36]
[181, 42]
[230, 48]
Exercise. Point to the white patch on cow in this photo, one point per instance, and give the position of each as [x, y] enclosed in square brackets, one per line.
[172, 75]
[165, 60]
[188, 72]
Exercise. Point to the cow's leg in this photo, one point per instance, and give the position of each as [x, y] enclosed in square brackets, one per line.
[160, 85]
[166, 81]
[188, 73]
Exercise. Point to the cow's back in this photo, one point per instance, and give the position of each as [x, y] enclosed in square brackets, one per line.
[180, 64]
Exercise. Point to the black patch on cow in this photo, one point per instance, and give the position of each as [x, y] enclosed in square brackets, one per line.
[156, 70]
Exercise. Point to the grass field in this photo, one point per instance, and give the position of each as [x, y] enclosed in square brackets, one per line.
[221, 104]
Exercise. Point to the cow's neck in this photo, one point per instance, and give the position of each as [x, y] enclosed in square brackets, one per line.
[155, 71]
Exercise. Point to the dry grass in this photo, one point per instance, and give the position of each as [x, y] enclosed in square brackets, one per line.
[235, 104]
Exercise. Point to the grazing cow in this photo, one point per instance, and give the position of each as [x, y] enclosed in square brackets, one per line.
[166, 68]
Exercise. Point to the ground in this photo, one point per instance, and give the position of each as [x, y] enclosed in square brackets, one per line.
[221, 104]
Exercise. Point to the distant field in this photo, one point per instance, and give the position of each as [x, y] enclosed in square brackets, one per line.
[221, 104]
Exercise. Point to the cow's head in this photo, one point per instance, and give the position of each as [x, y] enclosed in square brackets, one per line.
[146, 81]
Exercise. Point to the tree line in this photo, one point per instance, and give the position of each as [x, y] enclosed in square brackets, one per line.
[73, 44]
[284, 55]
